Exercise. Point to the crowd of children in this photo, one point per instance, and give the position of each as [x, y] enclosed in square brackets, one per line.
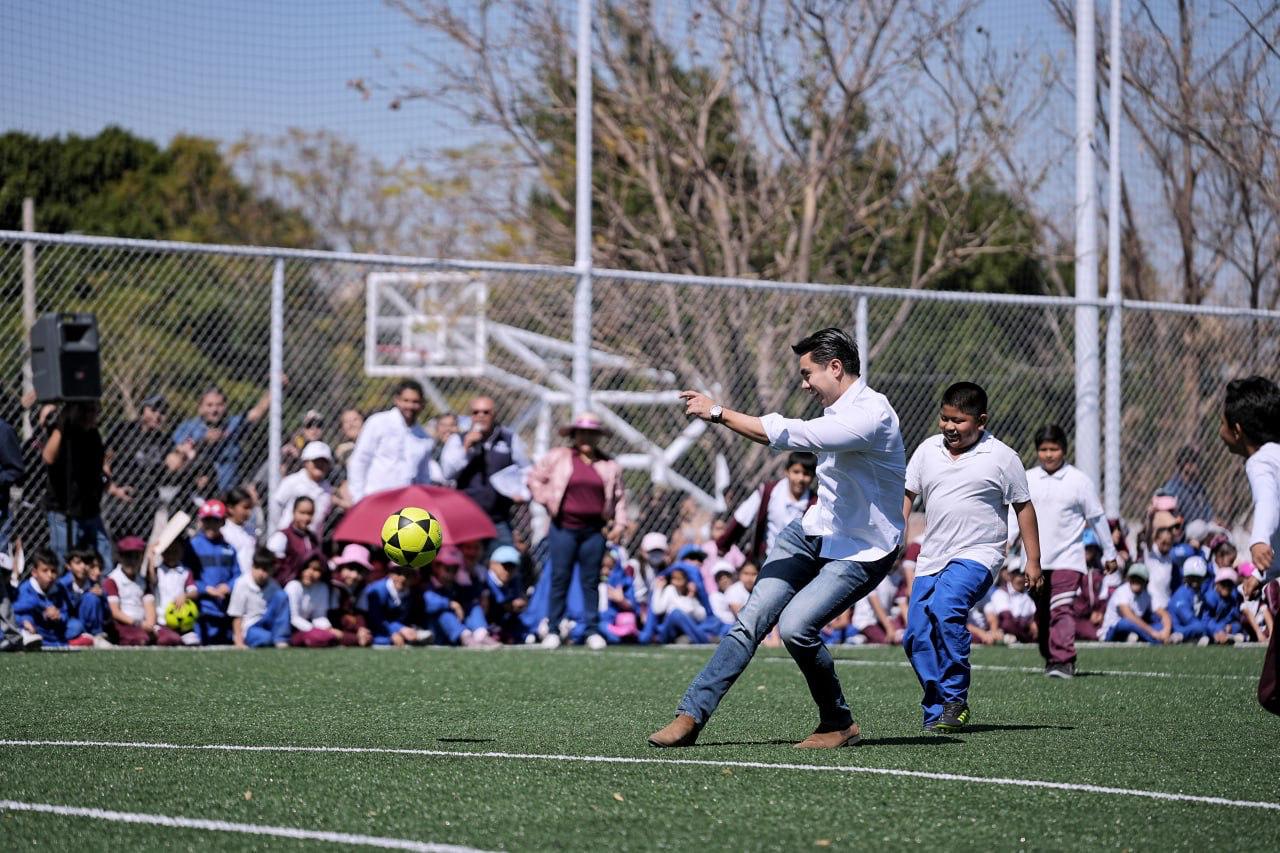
[214, 586]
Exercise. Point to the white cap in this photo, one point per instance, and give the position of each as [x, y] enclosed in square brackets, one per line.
[654, 542]
[1194, 567]
[316, 450]
[723, 566]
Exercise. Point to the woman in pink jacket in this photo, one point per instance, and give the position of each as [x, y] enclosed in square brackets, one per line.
[581, 487]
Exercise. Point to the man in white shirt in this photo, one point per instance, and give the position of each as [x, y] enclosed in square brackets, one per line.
[309, 481]
[393, 449]
[967, 479]
[1250, 428]
[1067, 504]
[822, 563]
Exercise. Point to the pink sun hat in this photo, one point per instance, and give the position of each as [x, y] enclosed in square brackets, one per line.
[585, 421]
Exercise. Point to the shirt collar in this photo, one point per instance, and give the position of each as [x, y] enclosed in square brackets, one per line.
[850, 394]
[982, 445]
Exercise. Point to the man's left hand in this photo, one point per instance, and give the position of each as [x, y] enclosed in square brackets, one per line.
[697, 404]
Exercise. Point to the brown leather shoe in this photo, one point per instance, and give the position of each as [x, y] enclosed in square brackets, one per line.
[851, 736]
[682, 731]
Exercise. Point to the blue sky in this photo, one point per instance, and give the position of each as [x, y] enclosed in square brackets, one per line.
[219, 69]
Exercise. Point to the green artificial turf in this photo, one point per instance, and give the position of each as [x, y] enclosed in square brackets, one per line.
[1199, 732]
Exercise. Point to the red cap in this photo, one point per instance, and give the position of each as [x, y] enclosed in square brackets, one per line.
[212, 509]
[131, 545]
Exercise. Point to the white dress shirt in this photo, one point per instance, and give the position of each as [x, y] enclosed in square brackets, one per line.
[300, 485]
[1263, 470]
[455, 456]
[389, 454]
[1065, 503]
[965, 500]
[860, 473]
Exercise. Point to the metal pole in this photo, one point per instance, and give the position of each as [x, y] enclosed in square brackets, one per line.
[1115, 350]
[28, 304]
[276, 383]
[861, 335]
[1088, 440]
[582, 224]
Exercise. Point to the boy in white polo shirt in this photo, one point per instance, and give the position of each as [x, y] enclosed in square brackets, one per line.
[967, 479]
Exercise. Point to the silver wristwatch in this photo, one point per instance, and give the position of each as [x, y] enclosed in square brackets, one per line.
[716, 413]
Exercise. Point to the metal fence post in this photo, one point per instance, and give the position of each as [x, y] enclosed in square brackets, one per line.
[28, 304]
[582, 217]
[1115, 295]
[276, 383]
[862, 335]
[1086, 263]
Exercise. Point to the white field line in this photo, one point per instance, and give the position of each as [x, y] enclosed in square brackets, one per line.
[344, 838]
[1037, 670]
[676, 762]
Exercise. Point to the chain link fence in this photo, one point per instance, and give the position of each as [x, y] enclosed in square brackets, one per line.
[179, 321]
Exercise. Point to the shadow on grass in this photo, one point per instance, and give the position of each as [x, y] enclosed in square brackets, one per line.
[915, 740]
[1011, 727]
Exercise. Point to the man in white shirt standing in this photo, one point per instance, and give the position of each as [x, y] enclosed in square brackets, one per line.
[1067, 504]
[822, 563]
[393, 450]
[310, 481]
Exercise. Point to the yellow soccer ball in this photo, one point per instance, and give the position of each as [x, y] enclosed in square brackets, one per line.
[412, 537]
[181, 619]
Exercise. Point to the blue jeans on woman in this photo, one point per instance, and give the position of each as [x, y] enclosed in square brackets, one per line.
[567, 547]
[800, 591]
[85, 532]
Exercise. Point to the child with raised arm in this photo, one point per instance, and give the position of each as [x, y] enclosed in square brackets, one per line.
[967, 479]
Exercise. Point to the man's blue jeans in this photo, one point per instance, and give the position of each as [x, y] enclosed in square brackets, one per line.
[799, 591]
[937, 637]
[85, 532]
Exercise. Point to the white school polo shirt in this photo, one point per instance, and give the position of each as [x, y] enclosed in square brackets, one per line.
[965, 501]
[782, 510]
[859, 480]
[1066, 502]
[1263, 470]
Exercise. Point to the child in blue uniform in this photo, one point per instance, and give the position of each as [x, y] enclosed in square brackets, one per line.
[967, 480]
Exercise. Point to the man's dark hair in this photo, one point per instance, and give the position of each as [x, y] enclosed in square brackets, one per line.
[804, 458]
[829, 343]
[264, 559]
[1053, 434]
[238, 495]
[1188, 454]
[409, 385]
[1254, 404]
[968, 397]
[46, 556]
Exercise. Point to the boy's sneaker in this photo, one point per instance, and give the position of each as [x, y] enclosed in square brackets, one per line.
[596, 643]
[551, 641]
[84, 641]
[101, 642]
[31, 642]
[1175, 638]
[955, 716]
[1204, 641]
[1060, 670]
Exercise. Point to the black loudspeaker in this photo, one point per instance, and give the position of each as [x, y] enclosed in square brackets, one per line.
[64, 357]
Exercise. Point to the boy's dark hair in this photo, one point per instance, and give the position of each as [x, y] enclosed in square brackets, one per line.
[409, 385]
[264, 559]
[84, 555]
[238, 495]
[1224, 547]
[1053, 434]
[804, 458]
[46, 556]
[826, 344]
[968, 397]
[1254, 404]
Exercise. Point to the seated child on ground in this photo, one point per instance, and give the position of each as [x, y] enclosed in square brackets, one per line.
[386, 608]
[310, 600]
[453, 611]
[676, 605]
[1012, 609]
[174, 585]
[82, 593]
[132, 602]
[259, 609]
[1130, 616]
[41, 609]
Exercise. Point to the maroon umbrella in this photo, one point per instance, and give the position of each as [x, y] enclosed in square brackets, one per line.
[461, 518]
